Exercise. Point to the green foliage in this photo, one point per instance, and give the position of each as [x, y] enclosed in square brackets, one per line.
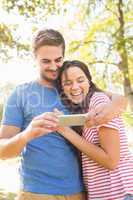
[66, 1]
[74, 45]
[27, 10]
[6, 37]
[8, 42]
[99, 23]
[113, 28]
[128, 117]
[101, 82]
[29, 7]
[130, 63]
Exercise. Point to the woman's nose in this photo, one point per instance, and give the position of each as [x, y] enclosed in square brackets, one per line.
[75, 86]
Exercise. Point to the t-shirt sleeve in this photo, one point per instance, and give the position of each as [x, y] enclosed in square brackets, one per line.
[13, 113]
[102, 99]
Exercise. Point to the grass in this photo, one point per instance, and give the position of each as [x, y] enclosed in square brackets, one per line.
[4, 195]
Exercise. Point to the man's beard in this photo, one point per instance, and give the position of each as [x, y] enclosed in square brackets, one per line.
[45, 78]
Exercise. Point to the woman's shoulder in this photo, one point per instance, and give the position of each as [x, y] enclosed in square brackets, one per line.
[99, 97]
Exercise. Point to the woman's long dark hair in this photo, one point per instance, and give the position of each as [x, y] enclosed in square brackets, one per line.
[72, 107]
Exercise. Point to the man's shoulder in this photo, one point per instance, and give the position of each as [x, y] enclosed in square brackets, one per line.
[26, 86]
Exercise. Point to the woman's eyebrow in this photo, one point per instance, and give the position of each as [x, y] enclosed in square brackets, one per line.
[66, 80]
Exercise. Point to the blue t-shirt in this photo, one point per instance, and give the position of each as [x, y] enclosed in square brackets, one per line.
[49, 164]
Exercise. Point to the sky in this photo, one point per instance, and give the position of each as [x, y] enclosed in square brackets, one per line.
[16, 72]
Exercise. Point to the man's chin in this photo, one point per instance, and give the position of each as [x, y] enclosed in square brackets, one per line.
[48, 79]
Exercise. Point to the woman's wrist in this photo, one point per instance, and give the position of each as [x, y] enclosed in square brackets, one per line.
[63, 130]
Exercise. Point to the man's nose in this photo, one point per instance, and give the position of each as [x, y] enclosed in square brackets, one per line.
[53, 66]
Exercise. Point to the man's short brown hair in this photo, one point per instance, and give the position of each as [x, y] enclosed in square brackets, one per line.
[49, 37]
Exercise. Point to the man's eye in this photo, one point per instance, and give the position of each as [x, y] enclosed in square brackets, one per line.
[59, 60]
[45, 61]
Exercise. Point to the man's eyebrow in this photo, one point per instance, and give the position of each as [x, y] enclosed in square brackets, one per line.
[59, 58]
[45, 59]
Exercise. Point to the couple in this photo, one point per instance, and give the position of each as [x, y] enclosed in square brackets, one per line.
[50, 168]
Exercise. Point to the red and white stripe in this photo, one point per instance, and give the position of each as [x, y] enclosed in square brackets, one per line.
[101, 183]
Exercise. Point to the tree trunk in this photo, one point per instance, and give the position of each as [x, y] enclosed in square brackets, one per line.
[121, 47]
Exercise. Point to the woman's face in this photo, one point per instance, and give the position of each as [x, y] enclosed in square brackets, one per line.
[75, 84]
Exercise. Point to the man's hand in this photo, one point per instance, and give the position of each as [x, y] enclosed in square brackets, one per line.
[41, 125]
[105, 113]
[101, 114]
[90, 119]
[58, 113]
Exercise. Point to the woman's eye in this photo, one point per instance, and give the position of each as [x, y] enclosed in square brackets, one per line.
[67, 83]
[80, 80]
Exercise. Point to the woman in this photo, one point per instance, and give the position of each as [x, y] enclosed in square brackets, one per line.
[106, 161]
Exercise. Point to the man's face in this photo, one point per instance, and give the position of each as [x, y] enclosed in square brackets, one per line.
[49, 59]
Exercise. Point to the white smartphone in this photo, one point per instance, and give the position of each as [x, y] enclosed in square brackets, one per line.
[73, 120]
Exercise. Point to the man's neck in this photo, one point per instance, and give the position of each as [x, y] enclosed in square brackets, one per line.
[45, 83]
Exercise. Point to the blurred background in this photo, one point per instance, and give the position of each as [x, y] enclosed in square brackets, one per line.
[98, 32]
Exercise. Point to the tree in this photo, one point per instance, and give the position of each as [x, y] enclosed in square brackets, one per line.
[27, 10]
[108, 40]
[121, 47]
[104, 28]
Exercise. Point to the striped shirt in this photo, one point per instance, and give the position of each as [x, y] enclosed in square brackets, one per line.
[101, 183]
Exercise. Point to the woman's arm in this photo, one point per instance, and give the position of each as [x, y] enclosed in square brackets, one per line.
[106, 155]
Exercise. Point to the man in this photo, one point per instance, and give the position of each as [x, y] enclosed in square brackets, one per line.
[49, 167]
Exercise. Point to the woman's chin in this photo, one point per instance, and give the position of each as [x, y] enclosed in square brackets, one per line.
[76, 101]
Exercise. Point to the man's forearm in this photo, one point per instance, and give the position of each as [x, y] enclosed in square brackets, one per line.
[12, 147]
[119, 101]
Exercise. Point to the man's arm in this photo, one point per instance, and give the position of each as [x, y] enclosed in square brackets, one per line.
[105, 113]
[12, 141]
[119, 101]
